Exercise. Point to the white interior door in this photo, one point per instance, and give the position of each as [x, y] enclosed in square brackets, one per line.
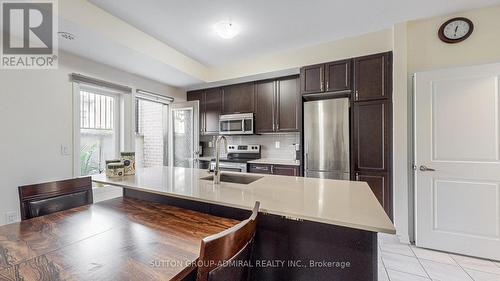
[183, 135]
[457, 135]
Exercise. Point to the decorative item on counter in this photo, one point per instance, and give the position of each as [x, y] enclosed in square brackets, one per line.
[128, 158]
[116, 170]
[108, 173]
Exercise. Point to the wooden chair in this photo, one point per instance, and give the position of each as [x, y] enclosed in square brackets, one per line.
[230, 246]
[46, 198]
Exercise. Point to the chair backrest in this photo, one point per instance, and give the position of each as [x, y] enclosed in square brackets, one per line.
[225, 255]
[46, 198]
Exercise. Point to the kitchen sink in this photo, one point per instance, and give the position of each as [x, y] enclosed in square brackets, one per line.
[234, 178]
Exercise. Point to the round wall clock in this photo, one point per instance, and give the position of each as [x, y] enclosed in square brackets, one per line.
[456, 30]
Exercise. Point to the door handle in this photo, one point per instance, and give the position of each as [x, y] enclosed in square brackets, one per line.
[426, 169]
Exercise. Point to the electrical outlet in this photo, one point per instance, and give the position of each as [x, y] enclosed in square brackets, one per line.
[11, 217]
[277, 144]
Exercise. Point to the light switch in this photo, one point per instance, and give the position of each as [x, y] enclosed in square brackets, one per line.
[277, 144]
[65, 151]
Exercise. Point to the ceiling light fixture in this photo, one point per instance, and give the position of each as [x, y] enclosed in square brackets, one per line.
[227, 29]
[67, 35]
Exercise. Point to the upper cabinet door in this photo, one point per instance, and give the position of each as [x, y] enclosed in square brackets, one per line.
[371, 77]
[371, 131]
[238, 98]
[312, 79]
[265, 107]
[288, 104]
[213, 104]
[199, 96]
[338, 76]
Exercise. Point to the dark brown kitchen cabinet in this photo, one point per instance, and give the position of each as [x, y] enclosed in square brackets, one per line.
[199, 96]
[373, 77]
[371, 135]
[210, 109]
[239, 98]
[284, 170]
[260, 169]
[338, 76]
[288, 104]
[330, 77]
[380, 185]
[312, 79]
[213, 104]
[269, 169]
[278, 105]
[265, 106]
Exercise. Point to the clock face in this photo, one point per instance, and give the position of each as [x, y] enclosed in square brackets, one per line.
[456, 29]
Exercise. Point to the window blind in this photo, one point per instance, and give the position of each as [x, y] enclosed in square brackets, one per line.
[150, 96]
[75, 77]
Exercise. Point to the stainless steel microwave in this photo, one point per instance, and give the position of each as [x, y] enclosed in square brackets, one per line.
[236, 124]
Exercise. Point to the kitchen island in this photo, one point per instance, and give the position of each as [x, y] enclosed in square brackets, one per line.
[309, 229]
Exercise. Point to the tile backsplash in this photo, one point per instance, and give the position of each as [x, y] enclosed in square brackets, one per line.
[286, 148]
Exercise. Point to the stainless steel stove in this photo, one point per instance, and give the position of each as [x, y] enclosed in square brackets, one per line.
[237, 157]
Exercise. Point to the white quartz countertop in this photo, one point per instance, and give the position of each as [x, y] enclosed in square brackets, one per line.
[275, 162]
[344, 203]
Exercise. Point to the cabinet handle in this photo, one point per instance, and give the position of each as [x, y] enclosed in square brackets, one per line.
[260, 168]
[327, 85]
[322, 88]
[356, 95]
[357, 176]
[274, 127]
[272, 169]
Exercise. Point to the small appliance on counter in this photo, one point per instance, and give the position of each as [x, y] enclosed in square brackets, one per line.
[128, 159]
[298, 152]
[237, 157]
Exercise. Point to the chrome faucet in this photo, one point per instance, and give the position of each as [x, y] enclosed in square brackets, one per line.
[217, 171]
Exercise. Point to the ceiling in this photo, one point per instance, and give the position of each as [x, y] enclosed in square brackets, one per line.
[268, 26]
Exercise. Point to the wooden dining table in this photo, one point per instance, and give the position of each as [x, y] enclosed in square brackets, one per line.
[118, 239]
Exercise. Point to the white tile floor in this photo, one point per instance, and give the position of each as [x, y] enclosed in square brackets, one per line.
[401, 262]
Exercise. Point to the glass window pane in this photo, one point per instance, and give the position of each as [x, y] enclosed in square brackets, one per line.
[98, 138]
[183, 138]
[150, 138]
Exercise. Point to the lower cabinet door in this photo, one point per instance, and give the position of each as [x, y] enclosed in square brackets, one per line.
[379, 184]
[285, 170]
[260, 169]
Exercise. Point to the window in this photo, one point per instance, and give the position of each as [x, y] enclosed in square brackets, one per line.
[151, 132]
[99, 129]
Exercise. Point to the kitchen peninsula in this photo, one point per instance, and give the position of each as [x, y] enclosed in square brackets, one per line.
[314, 225]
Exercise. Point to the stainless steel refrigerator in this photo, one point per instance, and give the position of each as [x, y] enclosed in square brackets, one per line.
[326, 139]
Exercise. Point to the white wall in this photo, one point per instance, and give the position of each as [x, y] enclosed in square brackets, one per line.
[370, 43]
[36, 119]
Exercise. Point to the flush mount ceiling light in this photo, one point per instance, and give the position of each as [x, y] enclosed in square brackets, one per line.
[226, 29]
[67, 35]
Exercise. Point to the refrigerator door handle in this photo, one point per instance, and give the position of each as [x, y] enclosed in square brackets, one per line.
[305, 164]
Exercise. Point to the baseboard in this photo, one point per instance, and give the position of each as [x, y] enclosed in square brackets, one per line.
[403, 238]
